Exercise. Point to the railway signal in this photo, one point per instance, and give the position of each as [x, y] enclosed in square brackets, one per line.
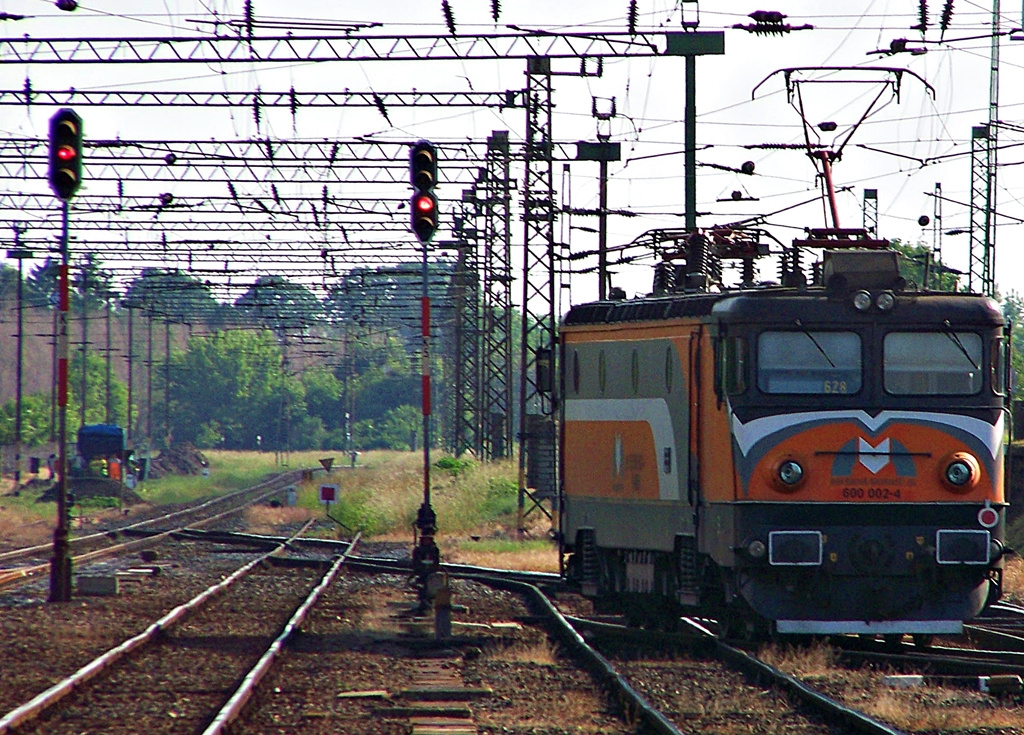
[423, 177]
[65, 172]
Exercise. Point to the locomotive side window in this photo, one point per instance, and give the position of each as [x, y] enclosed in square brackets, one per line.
[734, 365]
[809, 362]
[669, 361]
[932, 363]
[999, 366]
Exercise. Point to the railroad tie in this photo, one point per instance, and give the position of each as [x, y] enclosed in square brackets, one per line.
[437, 700]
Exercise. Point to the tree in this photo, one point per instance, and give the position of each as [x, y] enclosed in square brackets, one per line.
[8, 282]
[92, 283]
[172, 294]
[36, 407]
[276, 303]
[41, 284]
[323, 397]
[233, 384]
[915, 260]
[1013, 310]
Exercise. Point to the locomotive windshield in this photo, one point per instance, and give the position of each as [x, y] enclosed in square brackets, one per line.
[933, 363]
[809, 362]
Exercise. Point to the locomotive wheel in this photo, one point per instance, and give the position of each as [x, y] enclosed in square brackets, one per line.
[893, 641]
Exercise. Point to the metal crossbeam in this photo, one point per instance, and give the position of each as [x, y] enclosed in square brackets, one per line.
[290, 99]
[252, 161]
[240, 161]
[91, 205]
[221, 49]
[211, 256]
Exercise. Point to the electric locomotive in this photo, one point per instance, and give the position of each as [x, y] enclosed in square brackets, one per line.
[803, 458]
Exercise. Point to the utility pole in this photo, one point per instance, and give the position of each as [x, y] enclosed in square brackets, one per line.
[984, 193]
[131, 364]
[167, 382]
[85, 342]
[149, 380]
[19, 254]
[110, 407]
[65, 175]
[54, 377]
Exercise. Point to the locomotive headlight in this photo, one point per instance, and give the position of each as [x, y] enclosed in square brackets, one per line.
[756, 549]
[958, 473]
[862, 301]
[790, 472]
[886, 300]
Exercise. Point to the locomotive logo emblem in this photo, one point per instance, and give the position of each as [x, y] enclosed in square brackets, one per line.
[874, 458]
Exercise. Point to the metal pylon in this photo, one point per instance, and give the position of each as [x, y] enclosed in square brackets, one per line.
[536, 418]
[496, 325]
[870, 221]
[980, 278]
[465, 295]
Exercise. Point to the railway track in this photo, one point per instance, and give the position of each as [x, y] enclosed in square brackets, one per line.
[171, 656]
[17, 565]
[359, 664]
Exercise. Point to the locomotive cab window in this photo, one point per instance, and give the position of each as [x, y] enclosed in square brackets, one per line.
[734, 365]
[946, 363]
[809, 362]
[999, 366]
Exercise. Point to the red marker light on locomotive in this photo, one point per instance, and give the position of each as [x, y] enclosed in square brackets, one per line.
[988, 517]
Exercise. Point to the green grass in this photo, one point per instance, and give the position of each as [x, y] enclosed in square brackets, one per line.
[384, 492]
[506, 545]
[1015, 535]
[229, 471]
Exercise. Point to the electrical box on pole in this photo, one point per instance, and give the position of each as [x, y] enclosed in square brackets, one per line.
[65, 173]
[423, 177]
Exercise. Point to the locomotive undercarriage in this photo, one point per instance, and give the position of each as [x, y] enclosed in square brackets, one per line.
[874, 577]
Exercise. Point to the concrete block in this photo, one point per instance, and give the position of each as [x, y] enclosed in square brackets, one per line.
[101, 585]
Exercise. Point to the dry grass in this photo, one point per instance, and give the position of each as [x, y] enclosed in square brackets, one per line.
[541, 653]
[811, 661]
[928, 709]
[20, 529]
[550, 715]
[263, 519]
[20, 523]
[529, 555]
[1013, 579]
[935, 709]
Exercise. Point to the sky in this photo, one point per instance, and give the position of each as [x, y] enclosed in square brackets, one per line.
[904, 148]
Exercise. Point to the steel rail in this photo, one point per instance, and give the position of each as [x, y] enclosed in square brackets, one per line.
[46, 699]
[970, 663]
[11, 577]
[759, 669]
[990, 635]
[232, 709]
[694, 632]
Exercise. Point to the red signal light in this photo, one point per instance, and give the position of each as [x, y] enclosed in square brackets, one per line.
[65, 153]
[424, 204]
